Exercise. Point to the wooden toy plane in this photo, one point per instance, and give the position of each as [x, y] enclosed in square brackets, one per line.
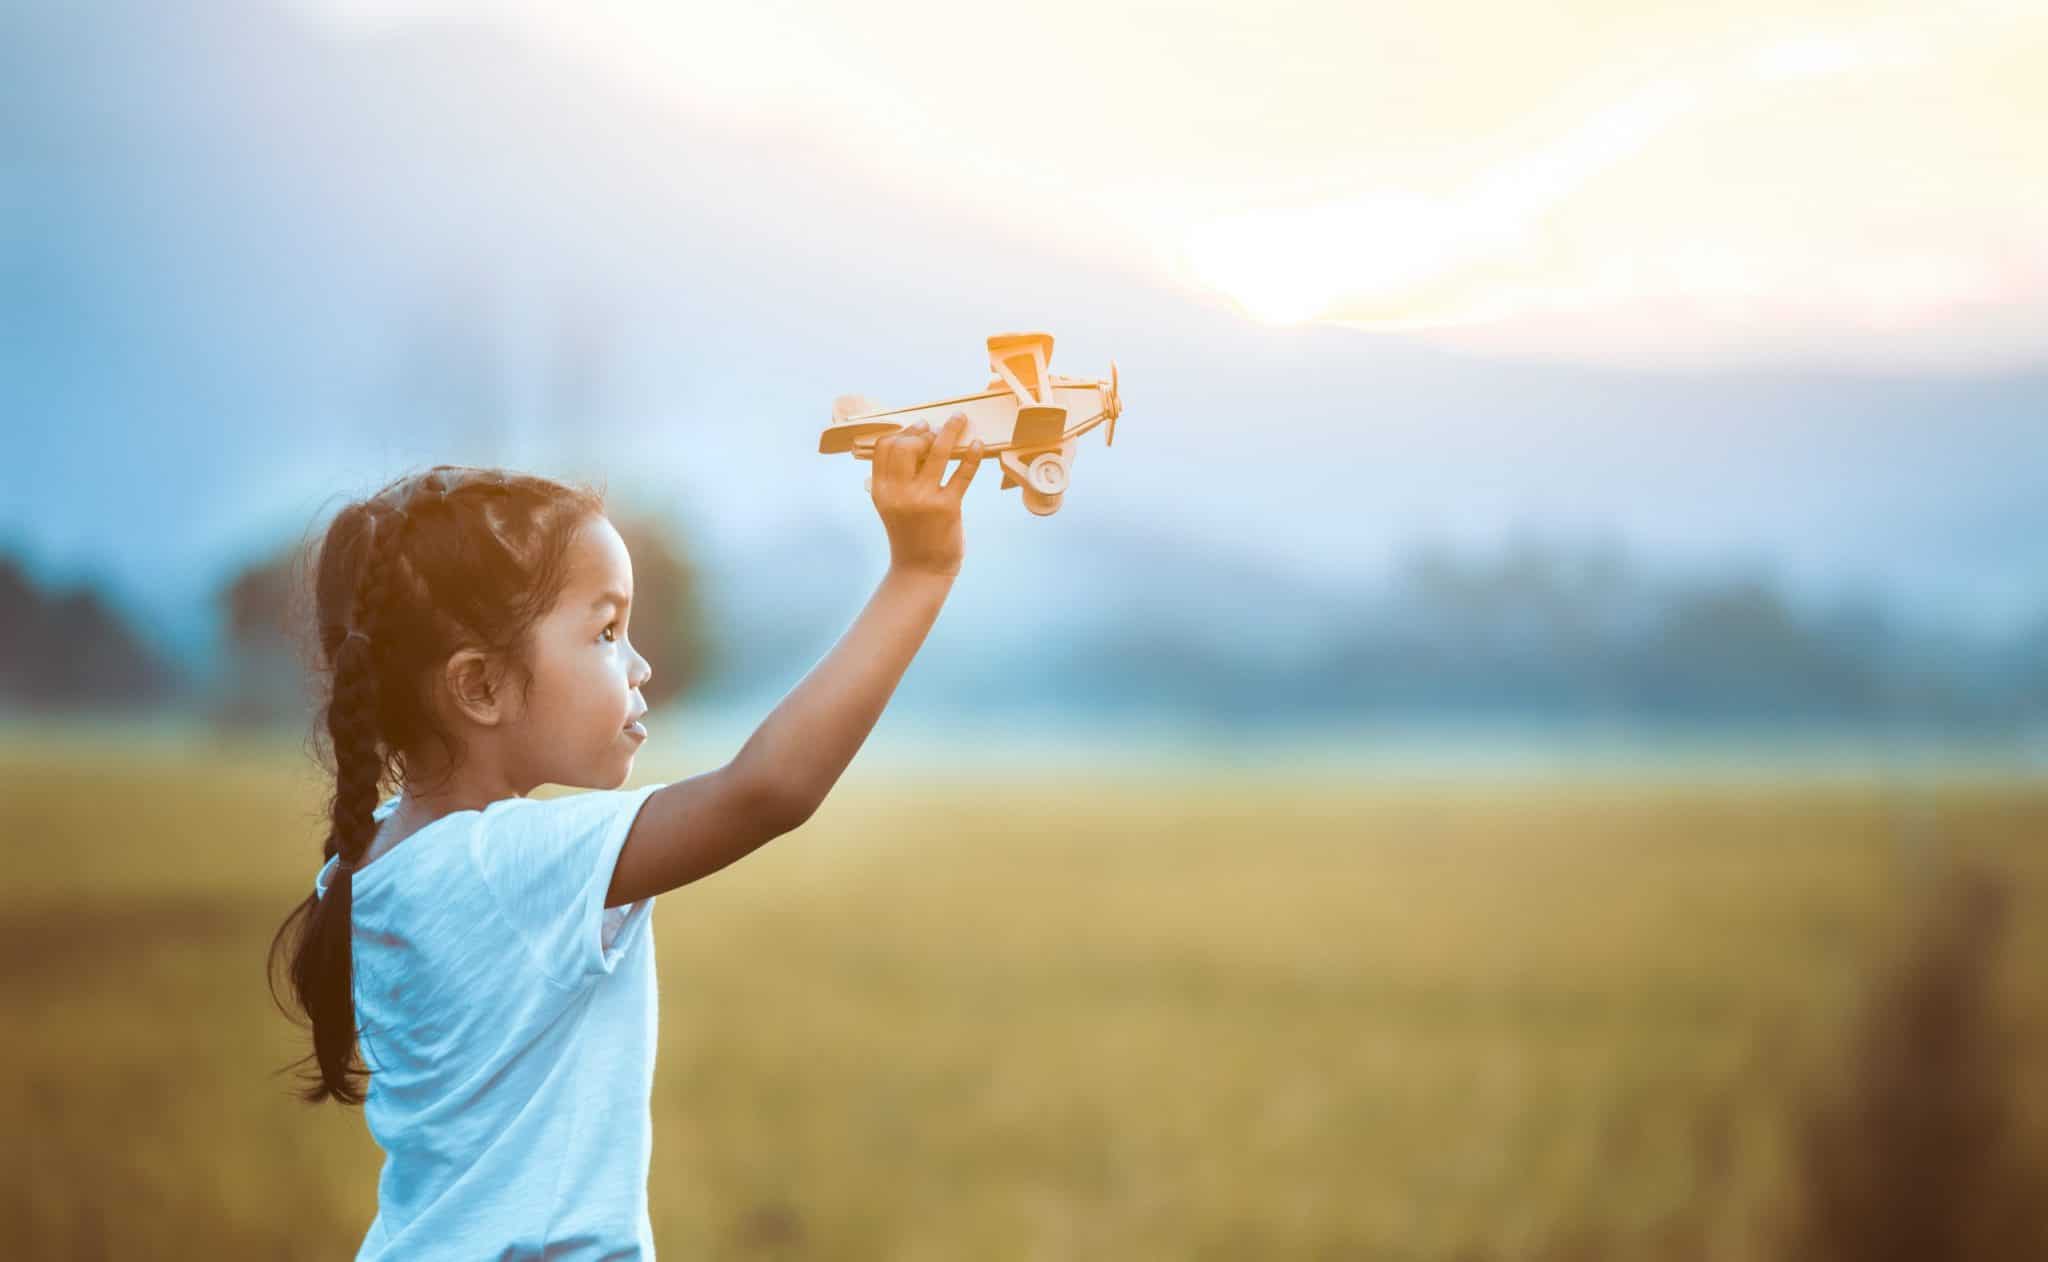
[1026, 419]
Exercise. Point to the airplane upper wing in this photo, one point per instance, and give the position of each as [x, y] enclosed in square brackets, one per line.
[1020, 360]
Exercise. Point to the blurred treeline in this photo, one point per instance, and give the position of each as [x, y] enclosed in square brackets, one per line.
[1545, 630]
[69, 649]
[1528, 630]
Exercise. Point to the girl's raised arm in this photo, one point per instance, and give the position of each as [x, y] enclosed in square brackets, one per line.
[694, 827]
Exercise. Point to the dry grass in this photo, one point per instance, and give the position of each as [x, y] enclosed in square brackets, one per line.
[1225, 1019]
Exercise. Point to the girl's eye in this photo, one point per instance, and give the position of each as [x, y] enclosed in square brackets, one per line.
[609, 638]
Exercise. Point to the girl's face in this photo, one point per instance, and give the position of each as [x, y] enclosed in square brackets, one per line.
[580, 722]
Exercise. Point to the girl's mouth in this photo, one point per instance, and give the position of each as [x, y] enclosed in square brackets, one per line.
[636, 729]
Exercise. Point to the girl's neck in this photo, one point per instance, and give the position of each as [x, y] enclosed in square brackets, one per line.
[430, 798]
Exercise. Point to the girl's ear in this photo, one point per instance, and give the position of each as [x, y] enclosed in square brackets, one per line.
[472, 687]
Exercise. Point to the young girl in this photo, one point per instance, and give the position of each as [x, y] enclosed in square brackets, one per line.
[494, 952]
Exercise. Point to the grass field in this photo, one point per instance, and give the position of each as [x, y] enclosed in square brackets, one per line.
[1220, 1018]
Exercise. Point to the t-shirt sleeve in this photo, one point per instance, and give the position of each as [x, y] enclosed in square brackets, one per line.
[547, 864]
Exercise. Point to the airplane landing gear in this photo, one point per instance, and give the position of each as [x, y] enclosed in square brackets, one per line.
[1043, 482]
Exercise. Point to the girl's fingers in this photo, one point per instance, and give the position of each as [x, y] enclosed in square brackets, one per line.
[902, 461]
[942, 449]
[970, 460]
[916, 440]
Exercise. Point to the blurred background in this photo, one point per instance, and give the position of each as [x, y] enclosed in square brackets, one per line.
[1532, 744]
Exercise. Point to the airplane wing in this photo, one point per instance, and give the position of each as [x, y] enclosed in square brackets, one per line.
[1020, 361]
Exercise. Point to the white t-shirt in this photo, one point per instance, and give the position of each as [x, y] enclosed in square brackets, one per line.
[508, 1020]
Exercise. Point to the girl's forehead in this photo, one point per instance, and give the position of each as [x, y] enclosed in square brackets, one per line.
[598, 560]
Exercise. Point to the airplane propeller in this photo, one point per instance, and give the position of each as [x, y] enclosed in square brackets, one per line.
[1113, 405]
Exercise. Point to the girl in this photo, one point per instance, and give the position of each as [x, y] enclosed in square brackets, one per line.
[494, 952]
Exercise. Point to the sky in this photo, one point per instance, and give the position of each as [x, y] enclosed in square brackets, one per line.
[1848, 184]
[1755, 286]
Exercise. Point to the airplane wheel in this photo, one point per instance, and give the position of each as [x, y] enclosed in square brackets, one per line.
[1047, 475]
[1042, 505]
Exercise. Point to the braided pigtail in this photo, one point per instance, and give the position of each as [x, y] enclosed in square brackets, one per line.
[322, 969]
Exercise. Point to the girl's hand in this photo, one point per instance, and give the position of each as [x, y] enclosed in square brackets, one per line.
[921, 514]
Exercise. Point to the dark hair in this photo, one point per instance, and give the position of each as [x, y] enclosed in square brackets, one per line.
[451, 558]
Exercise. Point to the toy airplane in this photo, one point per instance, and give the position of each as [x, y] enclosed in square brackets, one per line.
[1023, 419]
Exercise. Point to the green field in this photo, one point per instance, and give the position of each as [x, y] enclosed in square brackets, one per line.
[1224, 1018]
